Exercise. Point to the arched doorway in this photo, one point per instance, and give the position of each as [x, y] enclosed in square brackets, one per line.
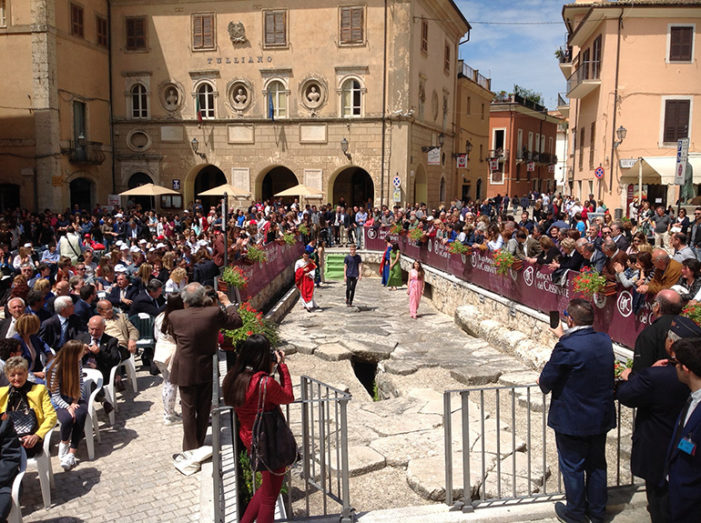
[209, 177]
[145, 202]
[420, 186]
[9, 196]
[82, 192]
[277, 180]
[478, 192]
[354, 185]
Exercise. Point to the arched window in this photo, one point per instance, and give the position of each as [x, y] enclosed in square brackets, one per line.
[205, 101]
[139, 101]
[351, 98]
[277, 100]
[442, 190]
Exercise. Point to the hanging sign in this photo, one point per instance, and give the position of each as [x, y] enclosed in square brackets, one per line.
[176, 184]
[530, 166]
[396, 182]
[682, 158]
[434, 156]
[461, 161]
[494, 164]
[599, 172]
[551, 168]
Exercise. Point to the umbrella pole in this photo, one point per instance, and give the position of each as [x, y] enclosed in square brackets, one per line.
[226, 236]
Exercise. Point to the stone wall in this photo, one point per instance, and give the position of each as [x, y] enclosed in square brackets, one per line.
[281, 282]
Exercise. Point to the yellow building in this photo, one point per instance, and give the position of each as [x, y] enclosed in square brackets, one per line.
[340, 97]
[472, 136]
[631, 66]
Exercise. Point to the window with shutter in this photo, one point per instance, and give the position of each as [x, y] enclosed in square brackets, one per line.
[275, 30]
[676, 120]
[446, 58]
[424, 36]
[77, 20]
[591, 145]
[352, 25]
[136, 33]
[102, 34]
[203, 31]
[680, 43]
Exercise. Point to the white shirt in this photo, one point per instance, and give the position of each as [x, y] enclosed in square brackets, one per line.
[695, 400]
[11, 331]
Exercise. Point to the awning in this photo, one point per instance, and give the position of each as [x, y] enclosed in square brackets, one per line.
[660, 169]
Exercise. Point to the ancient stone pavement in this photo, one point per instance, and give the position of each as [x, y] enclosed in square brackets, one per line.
[132, 477]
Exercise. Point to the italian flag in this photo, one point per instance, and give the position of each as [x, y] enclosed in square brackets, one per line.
[197, 107]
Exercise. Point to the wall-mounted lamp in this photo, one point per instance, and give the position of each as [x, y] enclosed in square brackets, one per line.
[621, 135]
[441, 140]
[195, 144]
[344, 147]
[468, 147]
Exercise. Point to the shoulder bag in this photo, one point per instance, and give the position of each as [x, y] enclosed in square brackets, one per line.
[273, 446]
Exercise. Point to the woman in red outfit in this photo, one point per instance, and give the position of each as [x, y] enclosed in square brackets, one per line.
[256, 361]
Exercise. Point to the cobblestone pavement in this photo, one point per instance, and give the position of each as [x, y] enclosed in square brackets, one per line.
[131, 479]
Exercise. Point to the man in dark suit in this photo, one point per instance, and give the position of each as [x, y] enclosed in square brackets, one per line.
[580, 376]
[35, 305]
[195, 329]
[122, 295]
[659, 397]
[16, 308]
[649, 345]
[683, 455]
[150, 300]
[84, 307]
[619, 237]
[613, 256]
[103, 351]
[62, 326]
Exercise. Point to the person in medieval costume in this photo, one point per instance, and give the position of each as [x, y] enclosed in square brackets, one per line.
[305, 270]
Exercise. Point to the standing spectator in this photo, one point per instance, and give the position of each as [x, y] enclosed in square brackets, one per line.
[70, 245]
[163, 357]
[695, 237]
[649, 345]
[681, 250]
[352, 272]
[395, 268]
[662, 223]
[195, 330]
[580, 376]
[683, 457]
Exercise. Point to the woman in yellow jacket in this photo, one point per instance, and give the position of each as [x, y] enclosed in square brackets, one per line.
[28, 405]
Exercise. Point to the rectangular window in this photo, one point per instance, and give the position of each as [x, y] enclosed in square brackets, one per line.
[530, 145]
[581, 148]
[275, 28]
[481, 152]
[203, 31]
[681, 39]
[424, 36]
[77, 27]
[482, 111]
[79, 131]
[468, 105]
[550, 145]
[136, 33]
[446, 58]
[352, 25]
[542, 143]
[592, 140]
[519, 144]
[498, 142]
[537, 143]
[3, 13]
[596, 57]
[102, 32]
[676, 120]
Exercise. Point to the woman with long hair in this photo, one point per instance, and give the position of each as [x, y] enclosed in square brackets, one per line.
[163, 357]
[415, 287]
[65, 378]
[255, 362]
[395, 268]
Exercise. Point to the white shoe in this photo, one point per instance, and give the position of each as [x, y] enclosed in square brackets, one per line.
[172, 420]
[68, 461]
[63, 449]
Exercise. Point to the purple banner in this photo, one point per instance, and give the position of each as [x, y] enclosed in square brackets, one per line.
[280, 256]
[531, 286]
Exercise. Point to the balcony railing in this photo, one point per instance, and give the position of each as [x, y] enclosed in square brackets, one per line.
[475, 76]
[501, 154]
[84, 152]
[564, 55]
[584, 80]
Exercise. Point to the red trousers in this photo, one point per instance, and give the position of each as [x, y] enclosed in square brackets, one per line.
[262, 507]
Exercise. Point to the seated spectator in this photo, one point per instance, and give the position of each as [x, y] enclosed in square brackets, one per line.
[550, 252]
[629, 275]
[10, 457]
[35, 305]
[667, 273]
[84, 307]
[614, 256]
[570, 260]
[62, 288]
[639, 240]
[123, 293]
[62, 326]
[102, 350]
[149, 301]
[9, 347]
[143, 276]
[27, 271]
[495, 240]
[8, 326]
[533, 247]
[65, 383]
[118, 326]
[28, 405]
[33, 347]
[689, 284]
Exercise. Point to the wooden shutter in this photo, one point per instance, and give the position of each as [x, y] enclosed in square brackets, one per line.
[676, 120]
[136, 33]
[424, 35]
[680, 41]
[275, 33]
[203, 31]
[351, 25]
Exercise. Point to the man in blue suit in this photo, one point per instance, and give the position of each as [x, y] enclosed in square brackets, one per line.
[659, 397]
[580, 376]
[683, 455]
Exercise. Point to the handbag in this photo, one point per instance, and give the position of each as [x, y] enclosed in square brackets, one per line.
[273, 445]
[23, 417]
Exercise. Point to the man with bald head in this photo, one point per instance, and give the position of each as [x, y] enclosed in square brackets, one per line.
[613, 255]
[103, 351]
[62, 288]
[650, 344]
[118, 326]
[667, 273]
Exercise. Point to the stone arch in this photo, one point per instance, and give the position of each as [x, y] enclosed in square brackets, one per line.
[135, 180]
[82, 192]
[208, 177]
[352, 182]
[272, 180]
[420, 186]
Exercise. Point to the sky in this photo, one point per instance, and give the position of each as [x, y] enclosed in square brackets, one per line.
[522, 53]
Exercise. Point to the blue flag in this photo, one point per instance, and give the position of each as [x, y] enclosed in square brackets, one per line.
[271, 108]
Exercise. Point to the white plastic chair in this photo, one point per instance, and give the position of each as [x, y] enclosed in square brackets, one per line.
[15, 515]
[110, 390]
[42, 462]
[92, 428]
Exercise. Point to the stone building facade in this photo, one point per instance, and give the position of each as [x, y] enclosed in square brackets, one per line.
[341, 97]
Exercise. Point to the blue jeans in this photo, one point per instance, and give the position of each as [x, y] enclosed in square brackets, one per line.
[583, 466]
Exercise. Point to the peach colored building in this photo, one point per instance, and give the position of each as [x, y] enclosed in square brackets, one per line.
[632, 65]
[521, 156]
[472, 136]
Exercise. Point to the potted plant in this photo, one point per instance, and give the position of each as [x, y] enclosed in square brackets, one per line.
[252, 322]
[303, 229]
[234, 277]
[288, 238]
[396, 229]
[457, 247]
[693, 312]
[256, 254]
[503, 261]
[589, 282]
[416, 235]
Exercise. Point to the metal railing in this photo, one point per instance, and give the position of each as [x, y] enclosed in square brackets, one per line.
[509, 454]
[562, 101]
[84, 152]
[319, 422]
[587, 70]
[475, 76]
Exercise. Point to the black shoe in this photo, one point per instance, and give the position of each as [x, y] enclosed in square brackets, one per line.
[108, 407]
[563, 514]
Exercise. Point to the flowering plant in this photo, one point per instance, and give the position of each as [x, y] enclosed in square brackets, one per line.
[619, 367]
[503, 260]
[457, 247]
[416, 234]
[589, 282]
[252, 323]
[234, 276]
[303, 229]
[289, 238]
[396, 228]
[693, 312]
[256, 254]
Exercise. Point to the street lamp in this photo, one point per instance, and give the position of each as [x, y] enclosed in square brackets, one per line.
[195, 145]
[468, 147]
[344, 148]
[441, 140]
[621, 135]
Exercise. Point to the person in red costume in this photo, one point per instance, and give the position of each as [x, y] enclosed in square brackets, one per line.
[256, 361]
[305, 269]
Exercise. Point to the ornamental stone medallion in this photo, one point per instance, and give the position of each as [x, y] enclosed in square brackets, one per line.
[313, 94]
[237, 33]
[240, 94]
